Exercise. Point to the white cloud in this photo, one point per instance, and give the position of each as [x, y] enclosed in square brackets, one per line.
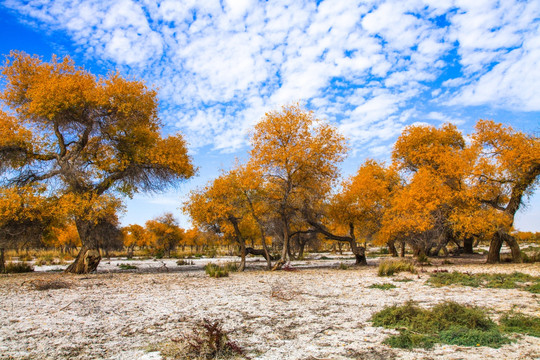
[362, 64]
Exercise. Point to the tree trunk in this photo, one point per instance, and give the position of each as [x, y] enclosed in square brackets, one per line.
[285, 250]
[2, 261]
[392, 248]
[302, 245]
[130, 251]
[241, 242]
[468, 245]
[86, 261]
[494, 254]
[88, 258]
[514, 247]
[359, 253]
[242, 266]
[267, 255]
[496, 244]
[403, 245]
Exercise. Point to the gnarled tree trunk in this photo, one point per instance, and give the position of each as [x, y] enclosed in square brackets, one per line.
[392, 248]
[88, 258]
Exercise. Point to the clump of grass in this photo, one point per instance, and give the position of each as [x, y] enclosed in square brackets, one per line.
[18, 267]
[530, 258]
[48, 284]
[127, 266]
[231, 266]
[49, 259]
[403, 280]
[391, 267]
[207, 340]
[447, 262]
[25, 257]
[515, 280]
[535, 288]
[520, 323]
[184, 262]
[385, 286]
[447, 323]
[216, 271]
[343, 266]
[423, 260]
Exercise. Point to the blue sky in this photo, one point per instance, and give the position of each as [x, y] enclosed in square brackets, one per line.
[369, 67]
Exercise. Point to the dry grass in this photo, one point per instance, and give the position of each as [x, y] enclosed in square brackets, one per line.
[49, 284]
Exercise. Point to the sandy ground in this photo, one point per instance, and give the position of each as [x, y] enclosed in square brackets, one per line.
[313, 313]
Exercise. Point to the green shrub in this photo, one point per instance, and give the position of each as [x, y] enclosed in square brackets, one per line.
[126, 266]
[514, 280]
[391, 267]
[530, 257]
[216, 271]
[18, 267]
[382, 286]
[447, 323]
[521, 323]
[535, 288]
[473, 337]
[409, 340]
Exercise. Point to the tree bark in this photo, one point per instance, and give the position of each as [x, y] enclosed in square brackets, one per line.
[88, 258]
[241, 242]
[259, 252]
[2, 261]
[359, 253]
[468, 245]
[403, 245]
[498, 239]
[494, 254]
[392, 248]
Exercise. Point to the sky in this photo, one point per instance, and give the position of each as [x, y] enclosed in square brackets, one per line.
[370, 68]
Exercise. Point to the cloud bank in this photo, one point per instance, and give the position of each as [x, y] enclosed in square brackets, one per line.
[368, 66]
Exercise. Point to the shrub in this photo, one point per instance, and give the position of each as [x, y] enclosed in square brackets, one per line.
[447, 323]
[514, 280]
[207, 340]
[391, 267]
[530, 258]
[521, 323]
[473, 337]
[343, 266]
[18, 267]
[216, 271]
[535, 288]
[409, 340]
[127, 266]
[382, 286]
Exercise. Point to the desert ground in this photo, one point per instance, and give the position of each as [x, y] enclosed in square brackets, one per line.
[317, 311]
